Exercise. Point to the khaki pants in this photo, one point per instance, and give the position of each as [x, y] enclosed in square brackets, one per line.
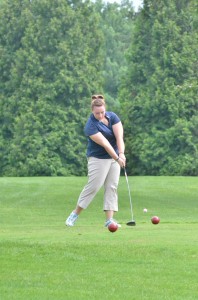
[101, 172]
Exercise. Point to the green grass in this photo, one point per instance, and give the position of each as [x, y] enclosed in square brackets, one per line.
[40, 258]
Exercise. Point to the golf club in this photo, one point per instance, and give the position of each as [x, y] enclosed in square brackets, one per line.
[132, 222]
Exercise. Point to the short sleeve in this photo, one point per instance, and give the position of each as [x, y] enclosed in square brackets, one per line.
[90, 128]
[114, 118]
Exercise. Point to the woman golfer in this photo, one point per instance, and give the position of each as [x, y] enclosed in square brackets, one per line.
[105, 154]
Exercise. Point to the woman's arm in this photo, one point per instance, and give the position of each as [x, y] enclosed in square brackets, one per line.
[99, 139]
[118, 132]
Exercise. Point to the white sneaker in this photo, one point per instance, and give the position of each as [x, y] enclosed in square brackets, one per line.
[111, 221]
[71, 219]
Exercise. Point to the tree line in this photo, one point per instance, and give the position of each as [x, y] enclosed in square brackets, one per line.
[55, 54]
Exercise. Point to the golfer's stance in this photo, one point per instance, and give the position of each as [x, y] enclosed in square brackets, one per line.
[105, 155]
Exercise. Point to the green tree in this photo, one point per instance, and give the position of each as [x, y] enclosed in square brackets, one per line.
[116, 24]
[51, 60]
[159, 93]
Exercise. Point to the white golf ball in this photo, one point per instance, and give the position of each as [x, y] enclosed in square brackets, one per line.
[145, 210]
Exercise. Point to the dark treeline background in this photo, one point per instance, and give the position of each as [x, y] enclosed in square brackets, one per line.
[55, 54]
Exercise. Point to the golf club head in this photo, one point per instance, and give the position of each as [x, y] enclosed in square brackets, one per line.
[131, 223]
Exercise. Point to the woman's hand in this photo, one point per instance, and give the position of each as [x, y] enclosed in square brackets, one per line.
[121, 155]
[121, 162]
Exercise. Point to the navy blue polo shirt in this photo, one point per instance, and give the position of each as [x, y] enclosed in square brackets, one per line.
[94, 126]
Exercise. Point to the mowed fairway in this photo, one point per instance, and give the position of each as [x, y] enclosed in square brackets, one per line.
[40, 258]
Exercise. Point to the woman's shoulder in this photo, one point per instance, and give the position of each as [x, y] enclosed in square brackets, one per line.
[91, 126]
[111, 114]
[91, 119]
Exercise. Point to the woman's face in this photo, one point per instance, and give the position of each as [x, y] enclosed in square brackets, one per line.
[99, 112]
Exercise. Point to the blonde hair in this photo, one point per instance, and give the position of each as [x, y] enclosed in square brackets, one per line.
[97, 100]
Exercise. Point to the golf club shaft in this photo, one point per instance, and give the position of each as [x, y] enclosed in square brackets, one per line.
[129, 192]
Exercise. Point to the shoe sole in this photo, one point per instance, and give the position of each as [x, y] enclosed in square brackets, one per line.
[69, 225]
